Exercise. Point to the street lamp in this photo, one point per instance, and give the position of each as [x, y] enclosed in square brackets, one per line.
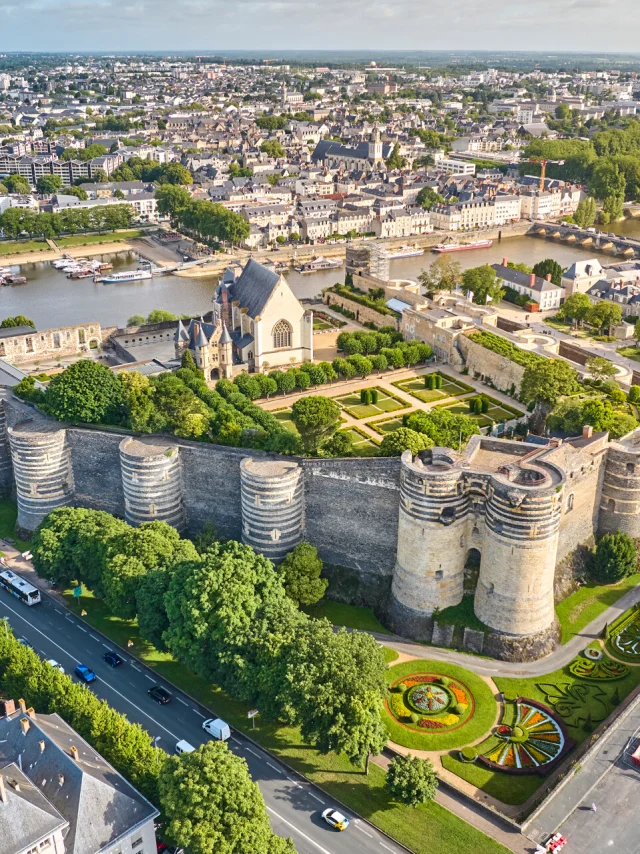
[154, 742]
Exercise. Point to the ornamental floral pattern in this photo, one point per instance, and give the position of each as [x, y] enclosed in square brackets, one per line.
[429, 701]
[603, 670]
[627, 641]
[534, 740]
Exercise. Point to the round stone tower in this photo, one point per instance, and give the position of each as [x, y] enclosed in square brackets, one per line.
[272, 493]
[42, 470]
[514, 595]
[429, 571]
[6, 468]
[152, 482]
[620, 498]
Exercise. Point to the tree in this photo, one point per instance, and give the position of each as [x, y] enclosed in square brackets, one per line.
[316, 420]
[172, 199]
[339, 445]
[136, 320]
[212, 806]
[543, 383]
[137, 395]
[445, 429]
[395, 159]
[159, 315]
[48, 184]
[615, 558]
[576, 307]
[484, 285]
[600, 368]
[411, 780]
[549, 267]
[273, 148]
[174, 173]
[443, 275]
[585, 214]
[604, 315]
[396, 443]
[427, 198]
[76, 191]
[17, 184]
[636, 331]
[300, 571]
[18, 320]
[85, 392]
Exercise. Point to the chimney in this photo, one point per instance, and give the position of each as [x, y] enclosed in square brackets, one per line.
[3, 791]
[60, 779]
[42, 745]
[32, 713]
[24, 723]
[587, 431]
[548, 277]
[23, 705]
[532, 280]
[73, 750]
[8, 707]
[15, 785]
[505, 262]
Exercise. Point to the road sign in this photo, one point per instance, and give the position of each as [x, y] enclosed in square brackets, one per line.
[77, 591]
[251, 715]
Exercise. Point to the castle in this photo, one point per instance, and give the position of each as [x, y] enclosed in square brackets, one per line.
[395, 534]
[257, 323]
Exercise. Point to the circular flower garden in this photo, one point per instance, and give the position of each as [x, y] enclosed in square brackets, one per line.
[436, 706]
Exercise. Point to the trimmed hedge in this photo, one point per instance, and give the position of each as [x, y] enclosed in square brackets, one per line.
[505, 348]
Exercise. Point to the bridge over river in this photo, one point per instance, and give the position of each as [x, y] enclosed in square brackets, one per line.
[601, 241]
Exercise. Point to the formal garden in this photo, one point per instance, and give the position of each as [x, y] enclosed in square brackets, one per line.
[623, 641]
[433, 387]
[484, 410]
[369, 402]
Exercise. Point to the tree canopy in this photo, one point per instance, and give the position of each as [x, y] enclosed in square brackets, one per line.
[300, 571]
[615, 558]
[85, 392]
[316, 420]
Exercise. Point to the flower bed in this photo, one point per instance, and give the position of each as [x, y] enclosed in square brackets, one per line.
[624, 641]
[533, 744]
[603, 670]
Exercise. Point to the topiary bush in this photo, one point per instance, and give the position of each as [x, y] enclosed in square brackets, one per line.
[459, 708]
[510, 696]
[444, 680]
[374, 395]
[468, 754]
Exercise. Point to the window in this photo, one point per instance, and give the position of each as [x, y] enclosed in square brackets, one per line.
[439, 574]
[630, 468]
[137, 842]
[570, 502]
[282, 334]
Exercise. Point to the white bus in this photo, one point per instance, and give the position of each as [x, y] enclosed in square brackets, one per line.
[19, 588]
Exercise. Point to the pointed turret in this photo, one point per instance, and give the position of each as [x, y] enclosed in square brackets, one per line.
[225, 338]
[181, 335]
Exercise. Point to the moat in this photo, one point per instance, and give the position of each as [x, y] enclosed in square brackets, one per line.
[51, 299]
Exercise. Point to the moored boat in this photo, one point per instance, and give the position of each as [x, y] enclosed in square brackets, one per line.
[125, 276]
[462, 247]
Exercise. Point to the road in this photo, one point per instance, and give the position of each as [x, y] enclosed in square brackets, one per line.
[294, 805]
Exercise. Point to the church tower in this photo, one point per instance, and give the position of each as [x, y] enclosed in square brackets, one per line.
[375, 146]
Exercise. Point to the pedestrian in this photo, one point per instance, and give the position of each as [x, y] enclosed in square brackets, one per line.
[593, 808]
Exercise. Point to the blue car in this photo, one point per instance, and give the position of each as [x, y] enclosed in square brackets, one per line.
[85, 674]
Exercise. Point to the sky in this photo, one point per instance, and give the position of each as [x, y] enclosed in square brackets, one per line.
[217, 25]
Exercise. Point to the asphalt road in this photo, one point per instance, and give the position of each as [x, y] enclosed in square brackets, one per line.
[293, 804]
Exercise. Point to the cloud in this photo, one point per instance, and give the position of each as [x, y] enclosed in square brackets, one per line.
[216, 25]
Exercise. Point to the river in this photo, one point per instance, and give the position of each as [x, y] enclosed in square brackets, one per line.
[52, 300]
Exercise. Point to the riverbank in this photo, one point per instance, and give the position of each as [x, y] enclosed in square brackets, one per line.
[86, 246]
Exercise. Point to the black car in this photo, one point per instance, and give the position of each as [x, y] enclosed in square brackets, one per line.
[159, 695]
[113, 659]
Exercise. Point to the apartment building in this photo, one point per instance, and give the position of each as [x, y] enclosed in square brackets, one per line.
[59, 796]
[538, 290]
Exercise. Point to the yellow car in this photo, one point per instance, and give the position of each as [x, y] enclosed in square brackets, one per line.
[335, 819]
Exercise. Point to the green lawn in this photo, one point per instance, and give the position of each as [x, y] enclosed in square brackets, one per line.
[387, 402]
[363, 445]
[390, 655]
[26, 246]
[8, 516]
[461, 615]
[630, 352]
[284, 417]
[580, 608]
[385, 425]
[351, 616]
[450, 388]
[496, 413]
[428, 829]
[478, 725]
[507, 788]
[88, 239]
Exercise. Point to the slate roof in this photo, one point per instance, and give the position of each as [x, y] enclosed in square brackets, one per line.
[508, 274]
[254, 287]
[97, 802]
[27, 817]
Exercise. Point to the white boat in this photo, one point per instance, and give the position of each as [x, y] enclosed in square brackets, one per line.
[404, 252]
[320, 263]
[462, 247]
[126, 276]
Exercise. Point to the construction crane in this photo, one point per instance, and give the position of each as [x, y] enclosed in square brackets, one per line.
[543, 167]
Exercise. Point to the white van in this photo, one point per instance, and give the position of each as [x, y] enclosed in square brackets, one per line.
[217, 728]
[184, 747]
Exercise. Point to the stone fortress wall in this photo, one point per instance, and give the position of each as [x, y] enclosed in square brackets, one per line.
[395, 534]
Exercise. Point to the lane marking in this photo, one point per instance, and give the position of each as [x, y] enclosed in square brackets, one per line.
[237, 740]
[198, 713]
[370, 835]
[58, 611]
[136, 668]
[180, 700]
[279, 770]
[93, 637]
[77, 661]
[82, 630]
[316, 798]
[387, 847]
[106, 647]
[150, 678]
[254, 752]
[295, 782]
[297, 830]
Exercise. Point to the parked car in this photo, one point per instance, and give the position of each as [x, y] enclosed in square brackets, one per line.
[53, 663]
[336, 819]
[160, 695]
[25, 642]
[85, 674]
[184, 747]
[217, 728]
[113, 659]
